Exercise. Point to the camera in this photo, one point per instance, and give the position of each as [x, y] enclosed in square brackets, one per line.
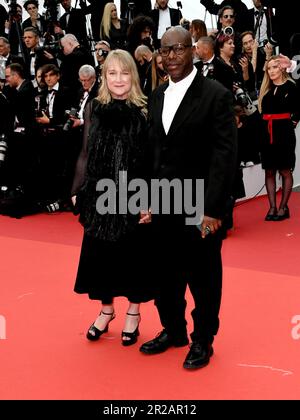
[3, 148]
[228, 31]
[243, 99]
[53, 48]
[69, 123]
[102, 53]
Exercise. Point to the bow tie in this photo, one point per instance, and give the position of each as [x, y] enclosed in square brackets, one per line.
[256, 13]
[32, 54]
[51, 90]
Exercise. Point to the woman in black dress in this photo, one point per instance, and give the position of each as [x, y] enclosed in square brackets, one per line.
[113, 29]
[279, 104]
[112, 259]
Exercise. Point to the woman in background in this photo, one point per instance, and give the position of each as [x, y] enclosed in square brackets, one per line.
[279, 105]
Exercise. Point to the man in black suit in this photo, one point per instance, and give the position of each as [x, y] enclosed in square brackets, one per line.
[5, 53]
[164, 17]
[72, 22]
[193, 133]
[242, 22]
[210, 65]
[54, 143]
[21, 142]
[74, 56]
[35, 57]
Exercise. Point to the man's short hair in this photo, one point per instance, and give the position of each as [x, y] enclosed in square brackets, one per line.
[28, 2]
[17, 68]
[104, 43]
[87, 70]
[31, 29]
[5, 40]
[50, 67]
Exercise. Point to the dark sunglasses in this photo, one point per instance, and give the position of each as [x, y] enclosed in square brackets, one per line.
[228, 16]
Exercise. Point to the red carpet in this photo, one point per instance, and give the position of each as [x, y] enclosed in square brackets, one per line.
[45, 354]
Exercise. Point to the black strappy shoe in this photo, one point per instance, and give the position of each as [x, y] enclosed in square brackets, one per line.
[132, 336]
[94, 333]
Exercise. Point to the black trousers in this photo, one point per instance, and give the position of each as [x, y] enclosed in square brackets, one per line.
[188, 260]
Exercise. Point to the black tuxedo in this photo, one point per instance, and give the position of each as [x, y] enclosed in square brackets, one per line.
[40, 60]
[175, 16]
[271, 24]
[44, 26]
[218, 70]
[76, 24]
[200, 144]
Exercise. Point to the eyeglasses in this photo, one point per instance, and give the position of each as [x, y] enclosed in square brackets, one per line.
[228, 16]
[178, 49]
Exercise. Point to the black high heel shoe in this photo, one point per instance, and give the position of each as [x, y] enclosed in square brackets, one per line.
[94, 333]
[132, 336]
[283, 216]
[272, 213]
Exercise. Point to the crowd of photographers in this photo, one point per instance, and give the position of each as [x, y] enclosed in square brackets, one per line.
[51, 68]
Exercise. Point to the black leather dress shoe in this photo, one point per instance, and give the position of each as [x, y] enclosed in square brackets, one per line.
[198, 356]
[161, 343]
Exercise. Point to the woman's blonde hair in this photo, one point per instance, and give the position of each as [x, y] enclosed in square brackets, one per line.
[127, 63]
[106, 20]
[267, 82]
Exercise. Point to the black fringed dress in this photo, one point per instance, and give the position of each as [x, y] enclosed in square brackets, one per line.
[115, 248]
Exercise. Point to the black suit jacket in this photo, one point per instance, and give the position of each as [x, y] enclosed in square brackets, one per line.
[175, 15]
[271, 24]
[218, 71]
[22, 103]
[76, 24]
[44, 26]
[201, 142]
[40, 60]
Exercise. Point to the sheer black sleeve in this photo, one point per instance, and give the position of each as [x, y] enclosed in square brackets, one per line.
[82, 159]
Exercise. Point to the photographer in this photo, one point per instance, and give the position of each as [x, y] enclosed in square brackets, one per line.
[54, 143]
[242, 15]
[74, 56]
[13, 28]
[74, 125]
[102, 49]
[35, 20]
[35, 56]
